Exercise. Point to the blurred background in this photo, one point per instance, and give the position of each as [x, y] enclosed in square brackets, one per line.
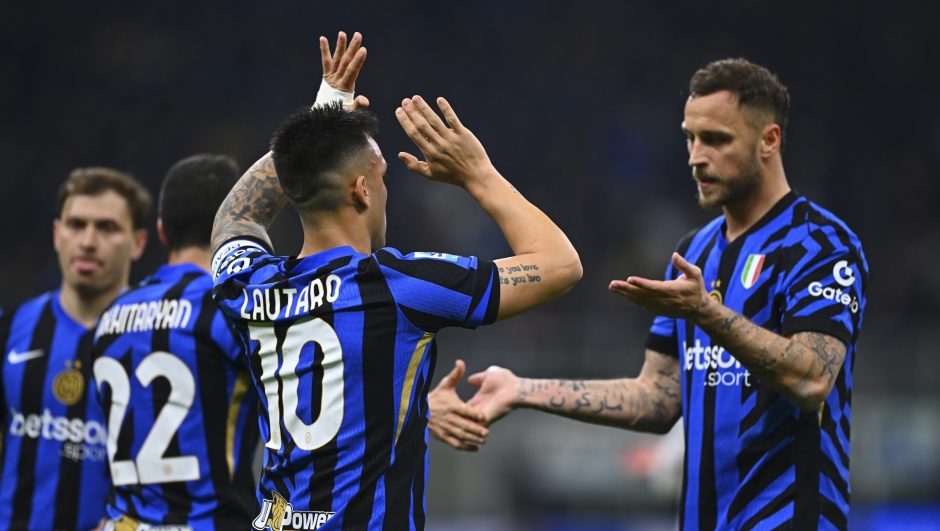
[579, 105]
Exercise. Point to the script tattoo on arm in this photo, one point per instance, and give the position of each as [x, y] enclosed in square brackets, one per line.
[251, 206]
[519, 274]
[650, 403]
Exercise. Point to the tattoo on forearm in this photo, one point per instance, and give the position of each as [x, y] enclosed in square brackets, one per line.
[789, 364]
[829, 354]
[251, 205]
[626, 403]
[511, 276]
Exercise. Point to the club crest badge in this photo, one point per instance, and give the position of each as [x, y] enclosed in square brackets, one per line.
[752, 268]
[69, 385]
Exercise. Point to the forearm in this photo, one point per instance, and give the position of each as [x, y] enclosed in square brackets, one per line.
[802, 368]
[251, 206]
[624, 403]
[543, 254]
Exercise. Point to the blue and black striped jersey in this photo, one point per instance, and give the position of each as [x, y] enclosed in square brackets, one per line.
[55, 474]
[342, 353]
[173, 381]
[754, 460]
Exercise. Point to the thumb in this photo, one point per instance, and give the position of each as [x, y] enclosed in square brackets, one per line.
[689, 270]
[454, 376]
[361, 102]
[414, 165]
[476, 380]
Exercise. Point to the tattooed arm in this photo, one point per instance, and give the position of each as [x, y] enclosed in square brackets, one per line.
[802, 367]
[651, 402]
[251, 206]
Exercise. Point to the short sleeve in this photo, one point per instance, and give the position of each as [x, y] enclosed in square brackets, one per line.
[662, 337]
[437, 290]
[825, 291]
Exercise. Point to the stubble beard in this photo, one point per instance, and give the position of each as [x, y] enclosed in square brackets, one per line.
[732, 190]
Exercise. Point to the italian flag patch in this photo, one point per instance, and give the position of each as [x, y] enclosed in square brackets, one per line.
[752, 270]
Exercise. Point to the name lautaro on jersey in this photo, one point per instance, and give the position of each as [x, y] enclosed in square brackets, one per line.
[277, 514]
[730, 371]
[82, 439]
[145, 316]
[267, 304]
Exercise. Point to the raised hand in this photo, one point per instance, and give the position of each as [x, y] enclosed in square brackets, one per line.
[341, 68]
[498, 393]
[682, 298]
[453, 153]
[452, 420]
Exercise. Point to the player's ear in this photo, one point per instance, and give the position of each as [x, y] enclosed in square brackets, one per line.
[139, 243]
[161, 232]
[770, 140]
[361, 193]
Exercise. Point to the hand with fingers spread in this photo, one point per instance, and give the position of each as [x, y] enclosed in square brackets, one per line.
[498, 393]
[452, 420]
[682, 298]
[340, 71]
[453, 153]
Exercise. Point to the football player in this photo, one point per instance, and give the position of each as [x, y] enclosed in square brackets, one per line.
[341, 336]
[55, 473]
[173, 379]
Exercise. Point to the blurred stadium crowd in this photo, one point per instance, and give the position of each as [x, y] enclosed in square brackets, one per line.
[579, 105]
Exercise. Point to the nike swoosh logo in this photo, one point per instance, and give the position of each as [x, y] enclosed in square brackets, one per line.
[15, 357]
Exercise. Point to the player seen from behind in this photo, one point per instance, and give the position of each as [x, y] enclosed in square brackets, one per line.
[173, 380]
[55, 474]
[755, 335]
[341, 337]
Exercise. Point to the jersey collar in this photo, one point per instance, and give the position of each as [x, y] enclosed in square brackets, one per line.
[317, 260]
[771, 215]
[167, 271]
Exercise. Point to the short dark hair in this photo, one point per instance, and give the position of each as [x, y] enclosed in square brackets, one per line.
[311, 148]
[96, 181]
[753, 86]
[190, 196]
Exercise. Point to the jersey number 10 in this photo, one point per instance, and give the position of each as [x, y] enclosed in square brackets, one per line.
[300, 334]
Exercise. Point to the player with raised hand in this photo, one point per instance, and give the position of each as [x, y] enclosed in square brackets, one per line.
[341, 337]
[173, 378]
[55, 465]
[755, 335]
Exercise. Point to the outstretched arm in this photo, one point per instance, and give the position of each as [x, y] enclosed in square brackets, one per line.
[545, 264]
[257, 197]
[650, 403]
[802, 367]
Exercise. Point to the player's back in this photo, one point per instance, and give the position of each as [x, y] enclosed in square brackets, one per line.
[181, 409]
[341, 349]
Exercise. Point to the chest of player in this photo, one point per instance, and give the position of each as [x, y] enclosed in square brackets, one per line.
[46, 371]
[743, 275]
